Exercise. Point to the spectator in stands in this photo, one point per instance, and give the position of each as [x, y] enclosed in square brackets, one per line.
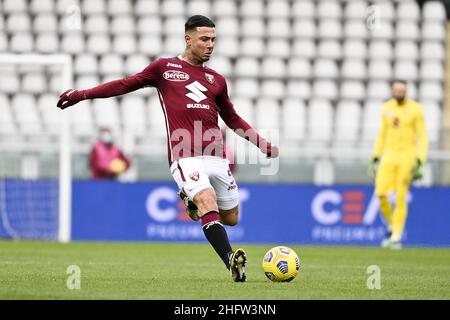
[106, 160]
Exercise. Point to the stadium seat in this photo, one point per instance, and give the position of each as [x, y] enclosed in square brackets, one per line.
[174, 45]
[246, 87]
[124, 44]
[273, 89]
[82, 119]
[273, 68]
[330, 49]
[353, 69]
[432, 50]
[249, 47]
[98, 44]
[45, 22]
[157, 123]
[93, 6]
[96, 23]
[330, 29]
[320, 115]
[149, 45]
[278, 9]
[26, 113]
[304, 48]
[42, 6]
[378, 90]
[325, 68]
[22, 42]
[299, 68]
[72, 43]
[433, 31]
[408, 10]
[348, 119]
[198, 7]
[221, 65]
[352, 90]
[174, 26]
[50, 115]
[278, 28]
[34, 82]
[123, 24]
[18, 22]
[406, 50]
[7, 125]
[355, 29]
[380, 70]
[383, 31]
[173, 8]
[434, 11]
[247, 66]
[227, 47]
[87, 81]
[267, 113]
[106, 113]
[144, 8]
[412, 90]
[63, 6]
[355, 9]
[299, 89]
[326, 89]
[277, 47]
[371, 121]
[47, 43]
[224, 8]
[133, 115]
[11, 6]
[329, 10]
[227, 26]
[407, 30]
[431, 90]
[432, 113]
[380, 49]
[252, 8]
[149, 25]
[110, 63]
[253, 27]
[386, 10]
[406, 70]
[3, 42]
[293, 119]
[432, 70]
[118, 7]
[304, 28]
[85, 63]
[303, 9]
[354, 49]
[244, 107]
[135, 63]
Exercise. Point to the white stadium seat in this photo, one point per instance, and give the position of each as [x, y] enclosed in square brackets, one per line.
[111, 63]
[325, 68]
[149, 45]
[124, 44]
[174, 26]
[378, 89]
[106, 113]
[325, 89]
[45, 22]
[434, 11]
[96, 23]
[348, 118]
[72, 43]
[278, 28]
[119, 7]
[299, 89]
[371, 121]
[329, 10]
[293, 119]
[221, 65]
[47, 43]
[386, 10]
[383, 31]
[273, 89]
[172, 8]
[330, 29]
[432, 113]
[380, 49]
[22, 43]
[433, 30]
[10, 6]
[63, 6]
[253, 27]
[406, 70]
[173, 45]
[247, 66]
[267, 113]
[18, 22]
[299, 68]
[330, 49]
[34, 82]
[26, 112]
[352, 90]
[98, 44]
[228, 26]
[7, 125]
[123, 24]
[222, 8]
[86, 63]
[355, 29]
[146, 8]
[244, 107]
[408, 10]
[355, 9]
[380, 70]
[406, 50]
[251, 47]
[353, 69]
[354, 49]
[82, 119]
[246, 87]
[93, 6]
[252, 8]
[278, 48]
[279, 9]
[198, 7]
[133, 114]
[3, 42]
[228, 47]
[432, 50]
[304, 48]
[87, 81]
[320, 117]
[303, 9]
[432, 70]
[42, 6]
[305, 28]
[51, 116]
[407, 30]
[135, 63]
[431, 90]
[273, 68]
[149, 25]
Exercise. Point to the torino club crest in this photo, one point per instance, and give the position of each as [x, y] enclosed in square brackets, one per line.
[194, 176]
[209, 77]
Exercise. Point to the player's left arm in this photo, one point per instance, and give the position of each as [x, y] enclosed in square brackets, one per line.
[241, 127]
[422, 136]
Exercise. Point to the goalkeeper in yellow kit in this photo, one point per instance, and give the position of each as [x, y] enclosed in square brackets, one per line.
[399, 154]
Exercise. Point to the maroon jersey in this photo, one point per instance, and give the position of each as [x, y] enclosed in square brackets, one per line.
[192, 98]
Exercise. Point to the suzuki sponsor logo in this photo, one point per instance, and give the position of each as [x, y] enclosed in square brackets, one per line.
[196, 91]
[175, 75]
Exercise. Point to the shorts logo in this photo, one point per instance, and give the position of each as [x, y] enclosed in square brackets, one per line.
[194, 176]
[175, 75]
[229, 173]
[209, 77]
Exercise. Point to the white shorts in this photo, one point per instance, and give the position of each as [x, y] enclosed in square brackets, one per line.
[198, 173]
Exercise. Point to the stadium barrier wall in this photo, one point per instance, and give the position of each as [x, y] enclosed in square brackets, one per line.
[278, 214]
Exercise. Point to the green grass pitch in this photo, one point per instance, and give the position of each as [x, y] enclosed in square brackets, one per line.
[38, 270]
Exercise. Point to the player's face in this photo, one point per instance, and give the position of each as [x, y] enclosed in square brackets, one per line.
[201, 42]
[399, 91]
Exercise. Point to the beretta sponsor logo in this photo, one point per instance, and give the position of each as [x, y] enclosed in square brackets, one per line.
[175, 75]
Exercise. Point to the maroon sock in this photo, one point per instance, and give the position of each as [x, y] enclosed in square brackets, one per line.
[217, 236]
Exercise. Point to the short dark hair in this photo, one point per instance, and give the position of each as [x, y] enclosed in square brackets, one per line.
[198, 21]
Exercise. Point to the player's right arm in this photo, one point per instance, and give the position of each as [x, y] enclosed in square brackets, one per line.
[147, 77]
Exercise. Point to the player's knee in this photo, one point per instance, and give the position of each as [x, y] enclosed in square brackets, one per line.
[230, 217]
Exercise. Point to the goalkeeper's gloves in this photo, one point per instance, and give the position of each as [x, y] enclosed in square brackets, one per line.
[417, 170]
[270, 150]
[373, 166]
[70, 97]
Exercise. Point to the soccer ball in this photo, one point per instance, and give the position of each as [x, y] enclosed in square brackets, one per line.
[281, 264]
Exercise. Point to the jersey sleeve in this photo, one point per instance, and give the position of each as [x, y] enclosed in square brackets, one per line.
[422, 137]
[150, 75]
[381, 138]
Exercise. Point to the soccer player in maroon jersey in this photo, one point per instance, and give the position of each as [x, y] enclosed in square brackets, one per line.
[192, 97]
